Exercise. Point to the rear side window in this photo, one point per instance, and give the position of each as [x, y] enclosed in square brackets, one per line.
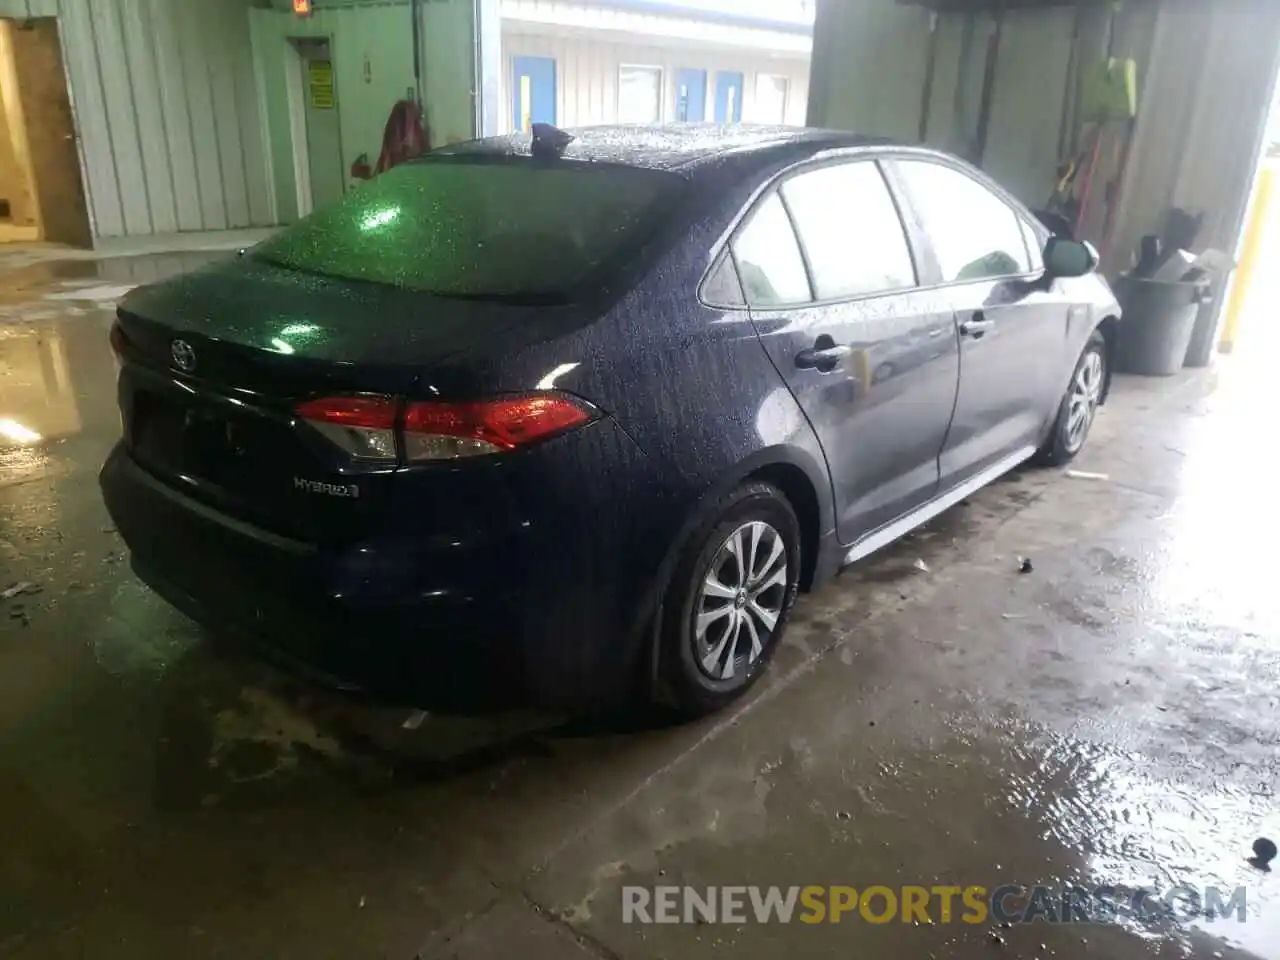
[480, 229]
[850, 230]
[975, 234]
[769, 262]
[721, 288]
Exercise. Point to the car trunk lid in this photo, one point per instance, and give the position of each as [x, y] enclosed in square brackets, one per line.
[216, 363]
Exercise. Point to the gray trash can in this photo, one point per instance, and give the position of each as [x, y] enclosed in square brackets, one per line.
[1204, 334]
[1157, 324]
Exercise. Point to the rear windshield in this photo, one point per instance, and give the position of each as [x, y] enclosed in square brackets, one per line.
[482, 229]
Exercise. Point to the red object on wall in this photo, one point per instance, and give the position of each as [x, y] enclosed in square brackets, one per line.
[405, 136]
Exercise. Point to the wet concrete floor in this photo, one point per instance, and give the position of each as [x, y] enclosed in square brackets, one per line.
[1110, 717]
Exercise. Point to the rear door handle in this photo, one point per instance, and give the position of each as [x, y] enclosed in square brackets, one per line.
[976, 326]
[824, 355]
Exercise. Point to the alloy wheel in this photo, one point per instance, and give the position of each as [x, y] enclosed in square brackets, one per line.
[1086, 394]
[740, 601]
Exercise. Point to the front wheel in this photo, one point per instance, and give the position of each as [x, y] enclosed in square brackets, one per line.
[729, 600]
[1079, 405]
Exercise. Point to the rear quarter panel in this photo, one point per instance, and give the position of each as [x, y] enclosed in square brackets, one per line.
[691, 385]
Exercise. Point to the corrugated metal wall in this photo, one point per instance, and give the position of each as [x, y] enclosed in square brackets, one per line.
[1206, 71]
[171, 134]
[587, 75]
[1209, 74]
[873, 56]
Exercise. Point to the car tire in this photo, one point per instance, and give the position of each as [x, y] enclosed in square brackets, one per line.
[1079, 405]
[716, 638]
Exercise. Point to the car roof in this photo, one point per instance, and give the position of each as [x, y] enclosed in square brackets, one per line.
[673, 146]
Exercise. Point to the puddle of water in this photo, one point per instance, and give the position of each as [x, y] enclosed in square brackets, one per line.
[1010, 803]
[97, 281]
[109, 293]
[1143, 823]
[272, 726]
[139, 635]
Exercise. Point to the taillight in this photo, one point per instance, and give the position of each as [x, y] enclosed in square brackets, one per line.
[119, 343]
[118, 340]
[443, 431]
[364, 427]
[372, 428]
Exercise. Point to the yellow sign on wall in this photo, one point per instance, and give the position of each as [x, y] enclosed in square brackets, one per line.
[320, 75]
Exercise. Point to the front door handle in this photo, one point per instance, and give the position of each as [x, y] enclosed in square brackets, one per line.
[976, 326]
[825, 355]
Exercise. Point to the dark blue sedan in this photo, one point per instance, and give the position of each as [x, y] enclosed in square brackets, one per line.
[570, 419]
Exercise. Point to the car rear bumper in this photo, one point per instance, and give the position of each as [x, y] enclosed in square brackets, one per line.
[437, 632]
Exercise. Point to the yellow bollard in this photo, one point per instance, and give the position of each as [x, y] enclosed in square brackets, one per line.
[1259, 211]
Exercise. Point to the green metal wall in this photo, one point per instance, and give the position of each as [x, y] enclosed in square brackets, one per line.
[372, 51]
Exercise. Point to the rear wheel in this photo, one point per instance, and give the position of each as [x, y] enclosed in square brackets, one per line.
[729, 600]
[1079, 405]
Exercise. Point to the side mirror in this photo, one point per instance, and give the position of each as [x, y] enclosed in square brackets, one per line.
[1064, 257]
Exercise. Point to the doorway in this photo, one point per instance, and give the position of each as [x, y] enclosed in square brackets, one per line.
[315, 127]
[728, 97]
[534, 93]
[42, 194]
[691, 95]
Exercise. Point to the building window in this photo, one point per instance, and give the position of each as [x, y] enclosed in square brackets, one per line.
[771, 98]
[639, 94]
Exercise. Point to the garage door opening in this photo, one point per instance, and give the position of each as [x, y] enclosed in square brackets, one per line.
[314, 122]
[673, 61]
[1248, 332]
[41, 190]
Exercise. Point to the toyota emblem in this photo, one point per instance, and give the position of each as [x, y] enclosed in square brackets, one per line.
[184, 356]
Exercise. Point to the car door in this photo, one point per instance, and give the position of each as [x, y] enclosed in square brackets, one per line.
[830, 280]
[1013, 332]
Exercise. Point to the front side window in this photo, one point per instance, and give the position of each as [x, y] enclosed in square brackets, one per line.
[639, 94]
[975, 234]
[850, 230]
[1035, 246]
[477, 229]
[769, 262]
